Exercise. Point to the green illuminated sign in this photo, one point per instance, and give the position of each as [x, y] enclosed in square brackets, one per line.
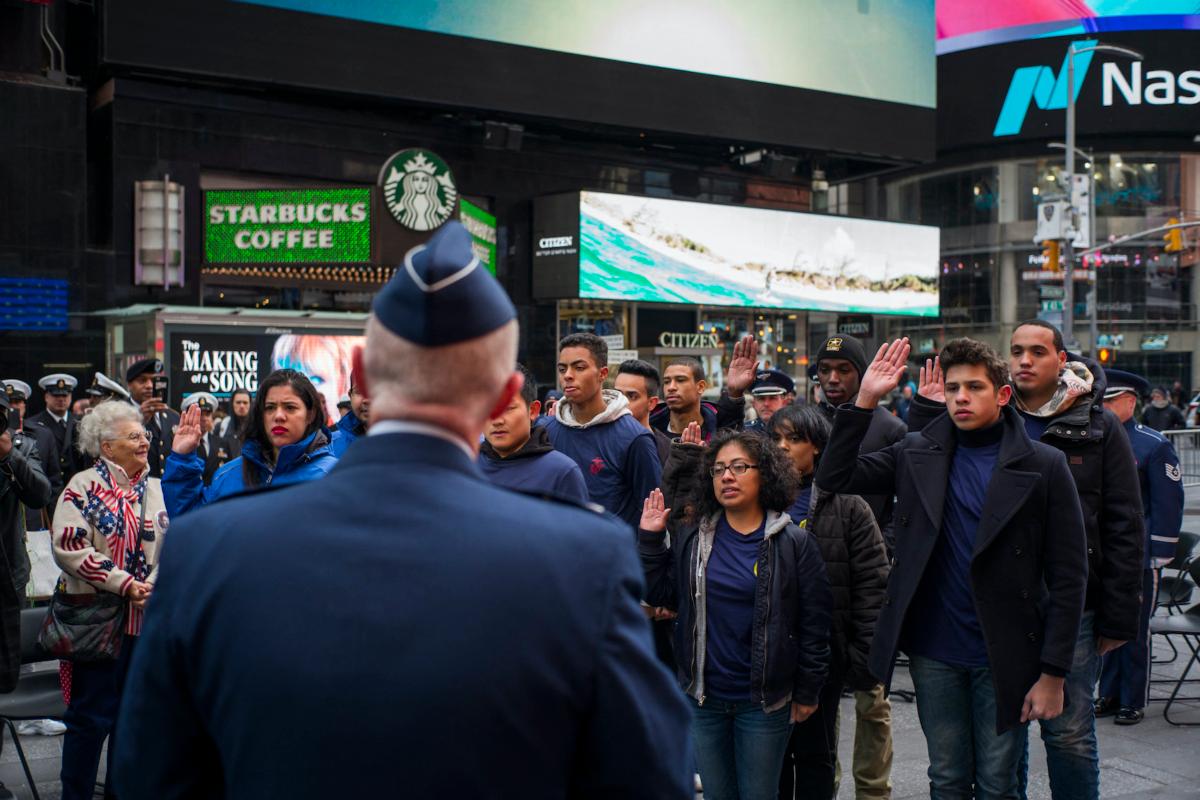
[482, 227]
[287, 226]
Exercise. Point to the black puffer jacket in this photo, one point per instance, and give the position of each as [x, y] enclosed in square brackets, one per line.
[790, 646]
[857, 563]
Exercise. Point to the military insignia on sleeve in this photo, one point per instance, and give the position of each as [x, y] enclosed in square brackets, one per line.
[1174, 472]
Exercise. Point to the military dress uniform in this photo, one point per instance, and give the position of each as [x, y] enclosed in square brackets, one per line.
[214, 449]
[479, 642]
[162, 425]
[1125, 673]
[47, 449]
[62, 429]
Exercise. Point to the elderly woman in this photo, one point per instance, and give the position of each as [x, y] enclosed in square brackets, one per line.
[286, 442]
[107, 530]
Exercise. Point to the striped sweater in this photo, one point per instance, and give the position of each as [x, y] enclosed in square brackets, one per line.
[95, 533]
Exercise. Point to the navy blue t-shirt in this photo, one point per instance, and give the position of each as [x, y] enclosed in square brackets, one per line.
[941, 623]
[731, 579]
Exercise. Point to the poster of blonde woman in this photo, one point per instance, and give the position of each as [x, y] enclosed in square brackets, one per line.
[326, 360]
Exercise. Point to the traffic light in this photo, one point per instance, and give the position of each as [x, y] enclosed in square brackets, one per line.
[1173, 238]
[1106, 356]
[1050, 255]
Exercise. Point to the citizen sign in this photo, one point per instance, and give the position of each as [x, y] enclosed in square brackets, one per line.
[691, 341]
[551, 242]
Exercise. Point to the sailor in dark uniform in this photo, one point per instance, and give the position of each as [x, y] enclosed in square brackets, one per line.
[479, 642]
[105, 388]
[1125, 672]
[214, 448]
[57, 418]
[18, 393]
[160, 420]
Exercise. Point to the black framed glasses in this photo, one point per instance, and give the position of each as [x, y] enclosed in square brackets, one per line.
[737, 468]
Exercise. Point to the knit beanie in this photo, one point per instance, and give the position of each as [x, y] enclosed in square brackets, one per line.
[847, 348]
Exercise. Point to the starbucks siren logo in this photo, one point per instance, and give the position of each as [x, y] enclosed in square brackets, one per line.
[418, 189]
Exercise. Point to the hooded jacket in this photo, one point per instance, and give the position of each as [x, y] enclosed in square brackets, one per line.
[617, 456]
[1102, 463]
[348, 430]
[183, 481]
[536, 468]
[790, 642]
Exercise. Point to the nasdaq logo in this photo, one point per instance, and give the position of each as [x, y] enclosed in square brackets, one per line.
[1041, 86]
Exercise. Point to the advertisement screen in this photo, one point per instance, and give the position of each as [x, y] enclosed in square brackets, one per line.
[668, 251]
[963, 24]
[219, 362]
[857, 78]
[874, 50]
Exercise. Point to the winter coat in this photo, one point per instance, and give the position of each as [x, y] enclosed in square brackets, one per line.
[1167, 418]
[183, 483]
[1102, 463]
[617, 456]
[22, 483]
[857, 563]
[792, 606]
[536, 468]
[349, 429]
[100, 550]
[1028, 570]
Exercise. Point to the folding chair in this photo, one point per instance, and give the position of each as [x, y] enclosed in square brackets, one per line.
[38, 694]
[1186, 626]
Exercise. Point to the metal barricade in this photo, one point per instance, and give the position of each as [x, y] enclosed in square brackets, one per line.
[1187, 446]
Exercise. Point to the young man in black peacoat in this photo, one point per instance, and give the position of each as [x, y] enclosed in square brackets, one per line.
[988, 584]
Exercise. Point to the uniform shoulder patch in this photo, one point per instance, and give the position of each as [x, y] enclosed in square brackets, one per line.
[1174, 472]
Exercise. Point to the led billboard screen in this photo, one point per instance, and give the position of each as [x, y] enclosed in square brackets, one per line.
[855, 78]
[669, 251]
[963, 24]
[875, 50]
[287, 226]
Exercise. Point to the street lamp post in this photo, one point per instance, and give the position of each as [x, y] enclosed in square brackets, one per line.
[1069, 180]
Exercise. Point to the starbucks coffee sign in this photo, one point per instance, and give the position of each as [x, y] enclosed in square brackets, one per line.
[418, 189]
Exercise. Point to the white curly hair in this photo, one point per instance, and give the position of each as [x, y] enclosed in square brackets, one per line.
[101, 423]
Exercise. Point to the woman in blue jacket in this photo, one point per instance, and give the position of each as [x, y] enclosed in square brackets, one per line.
[286, 442]
[754, 605]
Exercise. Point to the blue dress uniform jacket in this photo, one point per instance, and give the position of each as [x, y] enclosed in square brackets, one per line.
[348, 430]
[1162, 490]
[401, 628]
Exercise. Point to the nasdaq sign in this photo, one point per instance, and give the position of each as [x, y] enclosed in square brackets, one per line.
[1041, 86]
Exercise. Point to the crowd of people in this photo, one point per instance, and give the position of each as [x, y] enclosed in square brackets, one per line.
[496, 589]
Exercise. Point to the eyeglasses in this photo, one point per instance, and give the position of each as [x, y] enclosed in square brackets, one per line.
[737, 468]
[136, 436]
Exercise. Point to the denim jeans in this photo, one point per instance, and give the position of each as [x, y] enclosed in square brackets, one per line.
[739, 749]
[1072, 756]
[90, 719]
[957, 709]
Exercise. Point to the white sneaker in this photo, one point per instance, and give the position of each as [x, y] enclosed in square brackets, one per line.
[41, 727]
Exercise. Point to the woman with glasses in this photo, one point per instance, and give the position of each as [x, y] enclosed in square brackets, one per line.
[856, 561]
[286, 442]
[107, 531]
[752, 594]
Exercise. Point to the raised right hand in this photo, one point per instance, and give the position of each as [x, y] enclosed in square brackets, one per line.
[743, 366]
[692, 435]
[932, 382]
[654, 513]
[188, 433]
[884, 373]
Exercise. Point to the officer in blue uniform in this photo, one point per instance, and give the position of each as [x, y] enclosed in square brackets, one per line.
[1125, 673]
[402, 627]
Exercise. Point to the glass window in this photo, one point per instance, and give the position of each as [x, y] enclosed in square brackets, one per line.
[966, 289]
